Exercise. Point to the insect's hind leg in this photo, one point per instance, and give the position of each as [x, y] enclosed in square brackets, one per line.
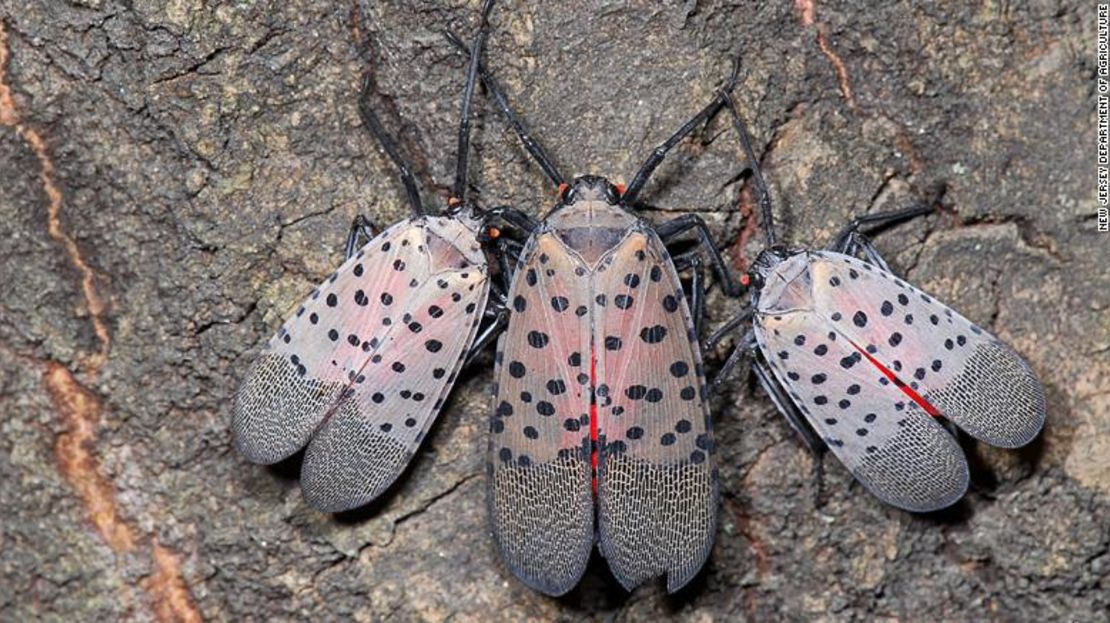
[786, 406]
[739, 352]
[490, 332]
[796, 420]
[360, 226]
[669, 230]
[692, 261]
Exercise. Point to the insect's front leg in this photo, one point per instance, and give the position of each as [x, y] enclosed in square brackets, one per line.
[671, 229]
[360, 226]
[517, 218]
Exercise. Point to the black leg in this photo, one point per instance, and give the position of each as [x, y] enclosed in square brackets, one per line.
[508, 254]
[879, 219]
[632, 192]
[741, 351]
[468, 96]
[667, 231]
[497, 291]
[819, 480]
[487, 335]
[361, 226]
[858, 243]
[374, 125]
[515, 218]
[531, 144]
[766, 215]
[727, 327]
[697, 294]
[787, 407]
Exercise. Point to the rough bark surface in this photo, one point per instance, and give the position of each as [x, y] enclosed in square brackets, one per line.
[175, 176]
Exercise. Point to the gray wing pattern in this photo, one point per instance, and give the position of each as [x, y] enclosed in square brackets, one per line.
[657, 489]
[539, 491]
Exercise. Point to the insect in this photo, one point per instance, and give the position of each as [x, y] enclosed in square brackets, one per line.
[869, 366]
[361, 369]
[600, 405]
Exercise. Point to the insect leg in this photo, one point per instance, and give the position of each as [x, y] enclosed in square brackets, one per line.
[516, 218]
[508, 255]
[786, 406]
[727, 327]
[489, 333]
[374, 125]
[692, 260]
[667, 231]
[468, 97]
[697, 293]
[497, 292]
[879, 219]
[360, 226]
[742, 350]
[530, 144]
[858, 243]
[766, 215]
[639, 180]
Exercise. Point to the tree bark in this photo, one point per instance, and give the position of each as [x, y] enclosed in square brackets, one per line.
[176, 177]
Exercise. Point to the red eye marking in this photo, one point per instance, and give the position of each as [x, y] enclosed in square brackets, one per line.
[745, 280]
[494, 233]
[906, 389]
[563, 189]
[454, 201]
[620, 189]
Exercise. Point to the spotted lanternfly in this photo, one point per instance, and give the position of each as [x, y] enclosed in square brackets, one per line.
[873, 368]
[361, 369]
[600, 403]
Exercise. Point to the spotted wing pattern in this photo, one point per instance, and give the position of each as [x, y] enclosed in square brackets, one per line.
[303, 369]
[871, 360]
[892, 446]
[657, 493]
[367, 441]
[364, 365]
[540, 498]
[973, 378]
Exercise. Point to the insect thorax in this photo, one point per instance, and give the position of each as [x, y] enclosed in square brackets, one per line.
[453, 241]
[590, 227]
[787, 281]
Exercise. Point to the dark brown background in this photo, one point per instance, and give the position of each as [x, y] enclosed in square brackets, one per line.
[175, 178]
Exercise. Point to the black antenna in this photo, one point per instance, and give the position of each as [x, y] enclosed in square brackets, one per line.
[374, 124]
[648, 167]
[459, 197]
[530, 144]
[766, 216]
